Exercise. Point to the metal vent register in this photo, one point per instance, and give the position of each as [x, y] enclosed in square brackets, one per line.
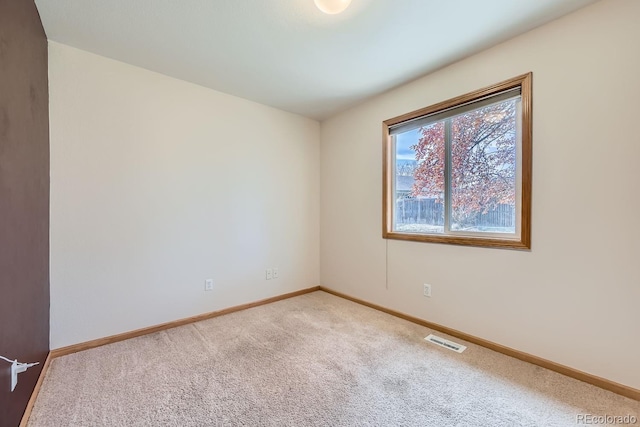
[458, 348]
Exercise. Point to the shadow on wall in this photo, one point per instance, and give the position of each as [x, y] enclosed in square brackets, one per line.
[24, 202]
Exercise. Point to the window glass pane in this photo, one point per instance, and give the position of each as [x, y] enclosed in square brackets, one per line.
[419, 180]
[483, 169]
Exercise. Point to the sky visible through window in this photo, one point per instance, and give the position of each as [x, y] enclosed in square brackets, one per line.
[403, 142]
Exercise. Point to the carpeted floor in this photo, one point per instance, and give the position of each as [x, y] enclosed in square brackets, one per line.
[313, 360]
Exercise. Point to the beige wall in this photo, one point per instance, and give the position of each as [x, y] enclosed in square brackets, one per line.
[158, 184]
[574, 297]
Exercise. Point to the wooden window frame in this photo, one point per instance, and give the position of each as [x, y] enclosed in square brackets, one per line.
[524, 241]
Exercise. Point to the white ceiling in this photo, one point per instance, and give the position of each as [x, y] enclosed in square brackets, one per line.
[288, 54]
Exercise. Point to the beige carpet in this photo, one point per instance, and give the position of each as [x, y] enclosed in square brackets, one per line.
[313, 360]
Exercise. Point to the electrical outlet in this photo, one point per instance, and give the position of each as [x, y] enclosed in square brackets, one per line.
[427, 290]
[208, 285]
[269, 274]
[276, 273]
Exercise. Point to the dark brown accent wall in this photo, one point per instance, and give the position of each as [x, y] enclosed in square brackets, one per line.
[24, 201]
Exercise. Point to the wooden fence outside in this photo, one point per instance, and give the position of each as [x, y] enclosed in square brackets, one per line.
[429, 211]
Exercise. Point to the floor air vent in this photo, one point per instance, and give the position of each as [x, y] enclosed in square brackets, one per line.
[459, 348]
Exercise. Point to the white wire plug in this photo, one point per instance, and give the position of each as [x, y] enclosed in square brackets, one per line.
[17, 368]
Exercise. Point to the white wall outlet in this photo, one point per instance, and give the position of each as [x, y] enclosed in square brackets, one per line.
[276, 273]
[427, 290]
[269, 274]
[208, 285]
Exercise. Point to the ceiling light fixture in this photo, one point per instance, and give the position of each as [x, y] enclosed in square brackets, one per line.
[332, 7]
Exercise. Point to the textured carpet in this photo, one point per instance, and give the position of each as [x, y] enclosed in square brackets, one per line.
[313, 360]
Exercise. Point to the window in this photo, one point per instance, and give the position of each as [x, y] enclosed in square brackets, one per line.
[460, 171]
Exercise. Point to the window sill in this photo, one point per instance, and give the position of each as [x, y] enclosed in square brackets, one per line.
[460, 240]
